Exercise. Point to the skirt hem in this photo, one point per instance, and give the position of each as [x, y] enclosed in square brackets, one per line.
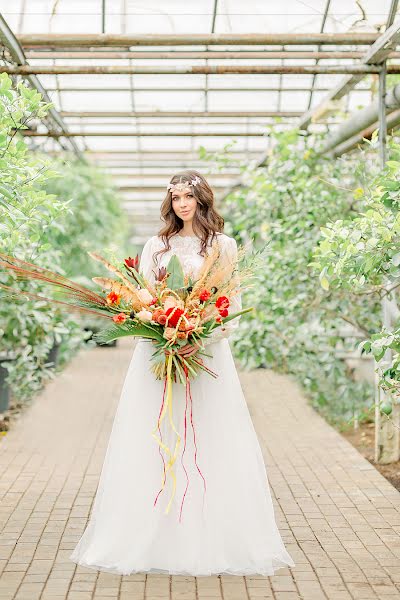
[222, 571]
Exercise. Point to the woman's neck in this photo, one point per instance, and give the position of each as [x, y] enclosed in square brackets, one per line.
[187, 230]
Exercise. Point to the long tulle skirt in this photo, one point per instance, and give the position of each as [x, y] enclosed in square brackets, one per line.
[220, 518]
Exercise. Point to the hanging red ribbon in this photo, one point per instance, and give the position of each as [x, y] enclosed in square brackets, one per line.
[188, 398]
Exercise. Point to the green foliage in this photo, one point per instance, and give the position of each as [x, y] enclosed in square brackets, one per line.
[28, 330]
[128, 329]
[361, 256]
[94, 220]
[296, 327]
[176, 277]
[49, 214]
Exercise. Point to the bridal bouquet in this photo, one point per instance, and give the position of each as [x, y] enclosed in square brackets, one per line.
[172, 312]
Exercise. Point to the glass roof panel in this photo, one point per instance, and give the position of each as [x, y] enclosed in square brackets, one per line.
[86, 100]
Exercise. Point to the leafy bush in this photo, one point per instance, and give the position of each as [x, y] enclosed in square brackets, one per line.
[49, 213]
[296, 328]
[361, 258]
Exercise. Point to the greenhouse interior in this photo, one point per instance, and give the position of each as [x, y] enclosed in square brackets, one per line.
[287, 117]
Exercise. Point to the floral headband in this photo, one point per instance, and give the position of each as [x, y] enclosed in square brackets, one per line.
[182, 185]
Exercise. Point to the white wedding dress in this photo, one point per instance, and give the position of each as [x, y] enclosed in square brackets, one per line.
[227, 521]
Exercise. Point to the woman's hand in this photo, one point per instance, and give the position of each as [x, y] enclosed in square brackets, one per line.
[186, 350]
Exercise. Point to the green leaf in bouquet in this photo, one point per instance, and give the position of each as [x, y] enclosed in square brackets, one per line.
[118, 331]
[176, 276]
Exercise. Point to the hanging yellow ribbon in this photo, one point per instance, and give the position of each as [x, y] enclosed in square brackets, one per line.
[168, 405]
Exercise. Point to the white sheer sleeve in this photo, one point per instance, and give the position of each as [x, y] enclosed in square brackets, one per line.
[146, 263]
[231, 252]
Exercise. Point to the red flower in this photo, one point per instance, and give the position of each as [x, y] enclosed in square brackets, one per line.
[133, 263]
[173, 315]
[205, 294]
[120, 318]
[113, 298]
[222, 302]
[223, 312]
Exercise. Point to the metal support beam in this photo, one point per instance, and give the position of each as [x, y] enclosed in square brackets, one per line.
[361, 119]
[376, 55]
[323, 23]
[359, 70]
[392, 121]
[103, 16]
[55, 134]
[383, 101]
[182, 88]
[185, 114]
[65, 40]
[387, 431]
[9, 40]
[197, 55]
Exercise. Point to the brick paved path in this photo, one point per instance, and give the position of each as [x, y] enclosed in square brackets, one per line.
[339, 518]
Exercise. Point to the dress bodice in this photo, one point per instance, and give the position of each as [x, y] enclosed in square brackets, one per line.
[186, 248]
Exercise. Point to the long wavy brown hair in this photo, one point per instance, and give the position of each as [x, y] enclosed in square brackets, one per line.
[206, 221]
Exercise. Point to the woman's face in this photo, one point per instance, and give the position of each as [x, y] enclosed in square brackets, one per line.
[184, 203]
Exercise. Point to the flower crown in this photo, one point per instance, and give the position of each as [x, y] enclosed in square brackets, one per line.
[184, 184]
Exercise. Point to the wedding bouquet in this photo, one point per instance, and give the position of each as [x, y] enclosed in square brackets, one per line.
[173, 312]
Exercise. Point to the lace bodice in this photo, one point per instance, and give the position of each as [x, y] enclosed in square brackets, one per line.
[187, 249]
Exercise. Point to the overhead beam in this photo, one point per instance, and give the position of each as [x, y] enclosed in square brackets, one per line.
[197, 55]
[172, 155]
[165, 89]
[359, 69]
[393, 121]
[186, 114]
[376, 55]
[9, 41]
[360, 120]
[65, 40]
[54, 134]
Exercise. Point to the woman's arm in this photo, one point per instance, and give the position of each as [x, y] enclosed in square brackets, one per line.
[146, 263]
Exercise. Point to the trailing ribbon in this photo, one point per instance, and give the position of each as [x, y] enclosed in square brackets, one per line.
[167, 405]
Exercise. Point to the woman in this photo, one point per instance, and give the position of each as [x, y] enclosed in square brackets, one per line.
[227, 524]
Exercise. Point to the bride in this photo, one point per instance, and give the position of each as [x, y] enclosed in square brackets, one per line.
[226, 524]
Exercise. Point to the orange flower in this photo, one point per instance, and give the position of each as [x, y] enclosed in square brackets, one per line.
[156, 313]
[113, 298]
[120, 318]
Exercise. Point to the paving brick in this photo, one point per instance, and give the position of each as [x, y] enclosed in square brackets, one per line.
[339, 518]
